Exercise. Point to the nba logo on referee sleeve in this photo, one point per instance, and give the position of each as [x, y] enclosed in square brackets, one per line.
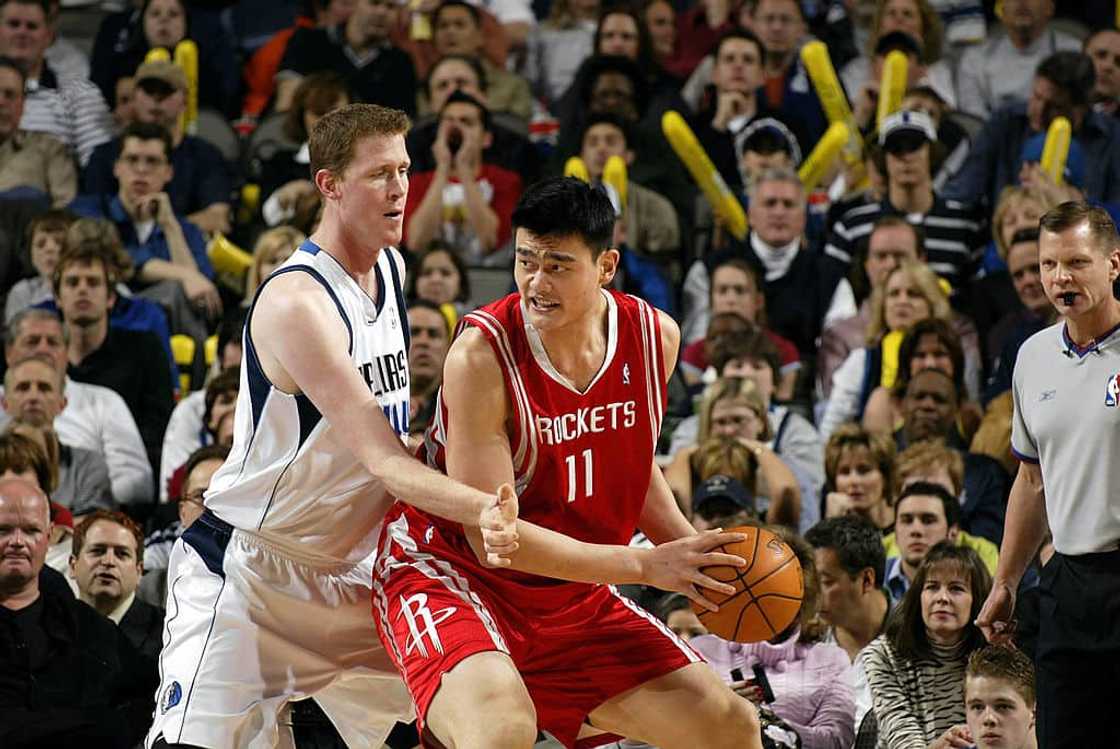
[1112, 391]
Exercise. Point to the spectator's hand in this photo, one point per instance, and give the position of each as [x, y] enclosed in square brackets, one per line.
[469, 156]
[675, 566]
[498, 523]
[729, 105]
[203, 294]
[441, 152]
[164, 213]
[957, 737]
[1031, 175]
[837, 504]
[291, 193]
[995, 619]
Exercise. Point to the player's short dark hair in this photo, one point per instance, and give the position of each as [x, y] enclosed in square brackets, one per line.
[607, 118]
[1007, 664]
[950, 504]
[1073, 213]
[1071, 72]
[567, 207]
[457, 4]
[857, 543]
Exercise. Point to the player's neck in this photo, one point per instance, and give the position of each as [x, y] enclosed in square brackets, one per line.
[1085, 329]
[577, 349]
[351, 252]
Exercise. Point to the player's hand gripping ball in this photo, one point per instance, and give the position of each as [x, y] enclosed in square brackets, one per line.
[768, 590]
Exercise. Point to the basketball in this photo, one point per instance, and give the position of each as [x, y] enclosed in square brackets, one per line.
[768, 590]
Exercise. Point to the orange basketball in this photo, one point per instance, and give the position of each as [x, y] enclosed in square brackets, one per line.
[768, 590]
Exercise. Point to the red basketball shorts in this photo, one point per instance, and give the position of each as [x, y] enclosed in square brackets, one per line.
[435, 606]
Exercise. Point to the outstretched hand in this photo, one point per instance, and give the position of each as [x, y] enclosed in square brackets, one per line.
[498, 523]
[676, 566]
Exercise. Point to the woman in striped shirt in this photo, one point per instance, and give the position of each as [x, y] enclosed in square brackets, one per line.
[916, 667]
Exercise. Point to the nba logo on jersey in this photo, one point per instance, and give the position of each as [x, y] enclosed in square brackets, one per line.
[1112, 391]
[625, 374]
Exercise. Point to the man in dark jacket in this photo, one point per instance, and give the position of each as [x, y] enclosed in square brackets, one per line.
[107, 562]
[68, 677]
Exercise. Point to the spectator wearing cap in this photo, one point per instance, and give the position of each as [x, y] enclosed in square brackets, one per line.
[953, 138]
[997, 72]
[68, 677]
[200, 185]
[465, 201]
[71, 110]
[864, 81]
[359, 50]
[722, 502]
[953, 231]
[1062, 87]
[107, 562]
[32, 165]
[1103, 48]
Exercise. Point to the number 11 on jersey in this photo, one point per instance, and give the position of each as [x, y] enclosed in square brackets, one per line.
[573, 478]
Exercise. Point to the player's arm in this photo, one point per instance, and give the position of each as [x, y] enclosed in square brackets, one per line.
[302, 343]
[479, 454]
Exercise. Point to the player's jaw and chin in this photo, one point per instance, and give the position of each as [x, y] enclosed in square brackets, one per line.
[376, 205]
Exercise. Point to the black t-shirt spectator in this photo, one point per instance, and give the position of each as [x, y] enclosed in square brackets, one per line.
[201, 177]
[385, 76]
[135, 366]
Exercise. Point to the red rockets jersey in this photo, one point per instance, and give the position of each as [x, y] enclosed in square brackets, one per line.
[582, 460]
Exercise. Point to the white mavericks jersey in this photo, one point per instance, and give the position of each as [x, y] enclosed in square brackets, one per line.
[289, 478]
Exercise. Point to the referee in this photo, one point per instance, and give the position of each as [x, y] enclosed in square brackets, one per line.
[1066, 435]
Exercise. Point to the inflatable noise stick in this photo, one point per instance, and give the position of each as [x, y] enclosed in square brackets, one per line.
[1055, 150]
[814, 168]
[574, 167]
[186, 57]
[614, 174]
[892, 87]
[815, 57]
[157, 54]
[724, 203]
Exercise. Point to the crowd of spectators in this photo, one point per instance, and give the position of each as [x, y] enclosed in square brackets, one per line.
[846, 365]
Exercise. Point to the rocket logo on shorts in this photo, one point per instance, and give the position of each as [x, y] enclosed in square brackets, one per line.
[1112, 391]
[171, 696]
[422, 623]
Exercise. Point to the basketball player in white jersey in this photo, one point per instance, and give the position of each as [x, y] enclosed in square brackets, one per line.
[269, 590]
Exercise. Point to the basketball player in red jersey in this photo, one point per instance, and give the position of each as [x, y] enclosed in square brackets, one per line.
[558, 390]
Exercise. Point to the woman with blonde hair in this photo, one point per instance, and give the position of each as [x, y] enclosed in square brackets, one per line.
[732, 408]
[909, 293]
[273, 247]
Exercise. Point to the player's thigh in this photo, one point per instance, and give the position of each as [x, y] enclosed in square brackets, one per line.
[688, 707]
[482, 691]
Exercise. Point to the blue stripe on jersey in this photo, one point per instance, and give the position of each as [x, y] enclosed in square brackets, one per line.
[309, 247]
[402, 310]
[209, 536]
[309, 418]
